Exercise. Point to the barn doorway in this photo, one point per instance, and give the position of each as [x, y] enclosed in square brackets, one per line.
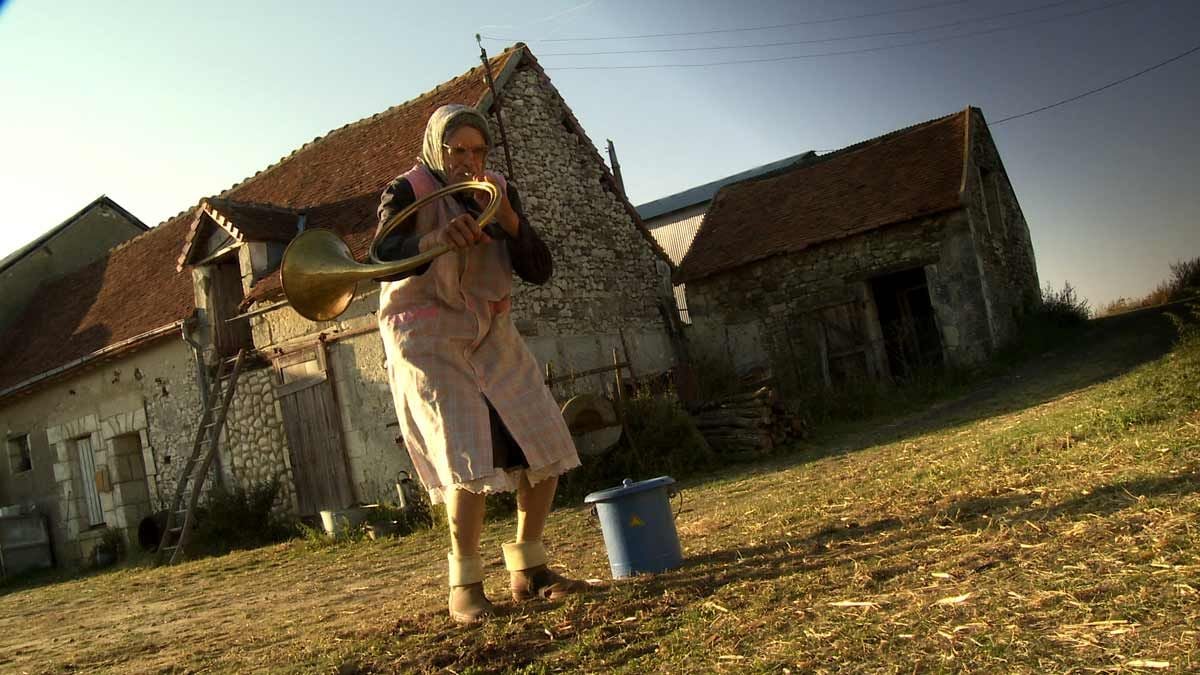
[907, 321]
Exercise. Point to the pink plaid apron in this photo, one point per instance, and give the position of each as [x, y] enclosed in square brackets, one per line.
[450, 341]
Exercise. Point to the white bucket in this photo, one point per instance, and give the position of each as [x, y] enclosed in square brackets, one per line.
[340, 521]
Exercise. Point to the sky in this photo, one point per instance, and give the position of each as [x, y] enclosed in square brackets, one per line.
[159, 104]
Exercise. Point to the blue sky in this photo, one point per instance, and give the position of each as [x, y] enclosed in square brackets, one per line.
[160, 104]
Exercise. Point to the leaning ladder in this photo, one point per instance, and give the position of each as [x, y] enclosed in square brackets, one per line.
[195, 471]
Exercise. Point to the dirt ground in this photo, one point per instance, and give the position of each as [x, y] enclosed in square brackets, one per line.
[791, 550]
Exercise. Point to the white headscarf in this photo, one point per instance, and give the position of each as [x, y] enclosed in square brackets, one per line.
[444, 120]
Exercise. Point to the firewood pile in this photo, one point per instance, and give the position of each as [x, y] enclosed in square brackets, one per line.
[748, 425]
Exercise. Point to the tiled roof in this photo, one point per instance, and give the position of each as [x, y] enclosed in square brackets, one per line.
[133, 290]
[906, 174]
[336, 180]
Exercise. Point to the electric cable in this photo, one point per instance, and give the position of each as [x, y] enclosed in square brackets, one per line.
[788, 43]
[864, 50]
[732, 30]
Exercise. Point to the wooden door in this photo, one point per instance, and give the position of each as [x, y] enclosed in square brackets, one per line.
[836, 335]
[87, 471]
[227, 296]
[314, 431]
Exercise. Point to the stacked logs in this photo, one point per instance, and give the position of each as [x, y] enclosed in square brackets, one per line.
[747, 425]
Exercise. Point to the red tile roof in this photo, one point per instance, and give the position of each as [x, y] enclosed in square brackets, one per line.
[337, 179]
[910, 173]
[133, 290]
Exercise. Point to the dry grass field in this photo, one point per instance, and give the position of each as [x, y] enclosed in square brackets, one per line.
[1046, 521]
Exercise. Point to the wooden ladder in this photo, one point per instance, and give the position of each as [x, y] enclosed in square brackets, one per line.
[204, 450]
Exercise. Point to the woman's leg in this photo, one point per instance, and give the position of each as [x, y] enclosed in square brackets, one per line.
[526, 557]
[464, 513]
[533, 505]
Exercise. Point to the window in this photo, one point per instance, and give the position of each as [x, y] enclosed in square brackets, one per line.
[20, 459]
[989, 182]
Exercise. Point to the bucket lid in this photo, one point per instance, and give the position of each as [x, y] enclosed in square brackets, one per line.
[628, 487]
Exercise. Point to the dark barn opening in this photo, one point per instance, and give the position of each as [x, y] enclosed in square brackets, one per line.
[906, 318]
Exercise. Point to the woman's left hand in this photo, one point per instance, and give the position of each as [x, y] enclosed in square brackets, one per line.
[506, 215]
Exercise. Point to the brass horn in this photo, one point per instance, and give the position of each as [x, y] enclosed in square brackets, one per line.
[320, 274]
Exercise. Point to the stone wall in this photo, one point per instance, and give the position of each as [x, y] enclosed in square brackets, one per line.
[138, 415]
[605, 270]
[254, 448]
[1003, 243]
[757, 315]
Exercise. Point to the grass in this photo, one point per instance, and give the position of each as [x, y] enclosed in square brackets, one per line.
[1044, 521]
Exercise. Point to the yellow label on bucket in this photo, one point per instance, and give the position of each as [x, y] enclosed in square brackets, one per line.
[636, 522]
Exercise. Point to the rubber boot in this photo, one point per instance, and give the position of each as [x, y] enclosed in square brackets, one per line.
[531, 578]
[468, 605]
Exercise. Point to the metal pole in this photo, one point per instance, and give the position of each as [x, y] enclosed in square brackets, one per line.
[487, 69]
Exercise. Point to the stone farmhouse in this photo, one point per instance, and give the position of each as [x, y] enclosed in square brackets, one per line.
[675, 219]
[902, 251]
[110, 409]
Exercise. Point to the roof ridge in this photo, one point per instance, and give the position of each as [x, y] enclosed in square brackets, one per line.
[882, 137]
[257, 205]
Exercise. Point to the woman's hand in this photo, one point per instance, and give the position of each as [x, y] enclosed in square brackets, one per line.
[461, 232]
[506, 215]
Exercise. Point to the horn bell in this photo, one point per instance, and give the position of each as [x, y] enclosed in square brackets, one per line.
[319, 275]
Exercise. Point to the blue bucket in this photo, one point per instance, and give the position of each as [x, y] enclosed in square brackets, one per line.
[639, 528]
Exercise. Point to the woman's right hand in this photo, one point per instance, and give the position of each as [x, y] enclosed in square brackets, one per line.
[461, 232]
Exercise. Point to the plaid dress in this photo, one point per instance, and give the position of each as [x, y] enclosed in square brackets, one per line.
[451, 350]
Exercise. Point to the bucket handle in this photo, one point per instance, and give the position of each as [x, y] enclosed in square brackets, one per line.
[673, 492]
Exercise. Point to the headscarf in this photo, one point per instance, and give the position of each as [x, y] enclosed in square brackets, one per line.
[444, 120]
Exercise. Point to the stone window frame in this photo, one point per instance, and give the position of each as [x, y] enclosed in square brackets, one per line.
[62, 440]
[19, 442]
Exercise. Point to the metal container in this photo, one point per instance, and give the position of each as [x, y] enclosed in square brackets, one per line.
[24, 544]
[639, 528]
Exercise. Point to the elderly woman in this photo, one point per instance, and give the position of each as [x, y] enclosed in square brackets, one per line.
[475, 413]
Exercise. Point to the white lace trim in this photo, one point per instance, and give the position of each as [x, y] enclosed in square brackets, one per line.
[504, 480]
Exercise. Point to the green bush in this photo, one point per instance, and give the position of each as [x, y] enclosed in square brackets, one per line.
[237, 517]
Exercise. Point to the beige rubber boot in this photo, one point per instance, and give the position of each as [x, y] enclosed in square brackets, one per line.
[468, 604]
[531, 578]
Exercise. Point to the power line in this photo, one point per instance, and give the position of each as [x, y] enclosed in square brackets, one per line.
[864, 50]
[1097, 90]
[951, 24]
[735, 30]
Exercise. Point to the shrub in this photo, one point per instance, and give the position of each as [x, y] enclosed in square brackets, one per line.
[664, 442]
[238, 517]
[1185, 279]
[1064, 308]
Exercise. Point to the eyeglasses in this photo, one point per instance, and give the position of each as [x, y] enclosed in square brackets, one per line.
[459, 152]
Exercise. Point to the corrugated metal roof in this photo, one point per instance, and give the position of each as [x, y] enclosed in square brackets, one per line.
[704, 193]
[674, 232]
